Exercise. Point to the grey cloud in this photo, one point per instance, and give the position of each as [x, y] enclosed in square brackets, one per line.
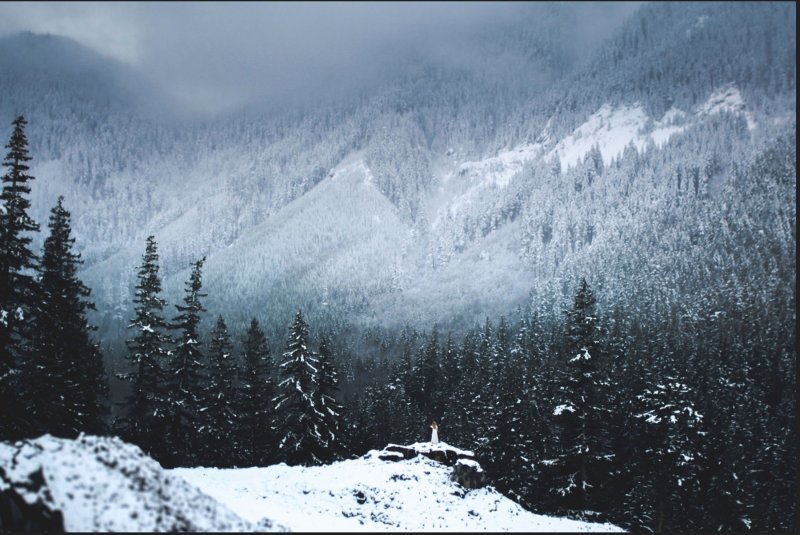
[216, 55]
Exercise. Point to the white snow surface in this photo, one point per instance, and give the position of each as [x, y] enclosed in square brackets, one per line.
[727, 99]
[369, 494]
[610, 128]
[498, 170]
[105, 484]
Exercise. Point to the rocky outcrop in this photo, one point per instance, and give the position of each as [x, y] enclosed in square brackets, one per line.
[469, 474]
[466, 470]
[17, 515]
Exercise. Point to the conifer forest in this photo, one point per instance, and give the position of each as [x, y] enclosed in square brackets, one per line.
[566, 233]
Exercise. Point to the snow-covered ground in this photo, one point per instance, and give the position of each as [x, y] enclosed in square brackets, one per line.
[370, 494]
[105, 484]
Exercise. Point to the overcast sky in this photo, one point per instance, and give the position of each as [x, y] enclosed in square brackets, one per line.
[229, 52]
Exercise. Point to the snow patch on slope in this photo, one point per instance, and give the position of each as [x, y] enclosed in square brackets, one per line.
[613, 128]
[367, 494]
[726, 99]
[498, 170]
[493, 172]
[353, 168]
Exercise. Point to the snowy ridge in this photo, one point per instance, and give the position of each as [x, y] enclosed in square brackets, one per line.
[613, 128]
[610, 128]
[105, 484]
[368, 494]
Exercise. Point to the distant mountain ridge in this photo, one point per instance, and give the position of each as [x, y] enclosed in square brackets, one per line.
[463, 215]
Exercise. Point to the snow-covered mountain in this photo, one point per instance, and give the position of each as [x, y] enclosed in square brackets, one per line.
[103, 484]
[449, 193]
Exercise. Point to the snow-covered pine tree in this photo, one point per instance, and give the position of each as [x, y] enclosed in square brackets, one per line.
[297, 418]
[186, 373]
[671, 460]
[508, 456]
[483, 390]
[428, 370]
[149, 402]
[450, 379]
[331, 426]
[462, 413]
[218, 417]
[67, 374]
[581, 411]
[18, 285]
[254, 434]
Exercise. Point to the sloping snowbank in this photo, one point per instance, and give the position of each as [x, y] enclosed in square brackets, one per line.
[105, 484]
[368, 494]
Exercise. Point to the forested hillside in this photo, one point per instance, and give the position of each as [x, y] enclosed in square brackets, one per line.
[573, 249]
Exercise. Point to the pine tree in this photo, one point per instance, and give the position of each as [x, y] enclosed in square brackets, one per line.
[298, 433]
[219, 418]
[581, 410]
[149, 402]
[68, 372]
[510, 447]
[668, 471]
[429, 376]
[331, 424]
[186, 375]
[255, 434]
[18, 286]
[450, 379]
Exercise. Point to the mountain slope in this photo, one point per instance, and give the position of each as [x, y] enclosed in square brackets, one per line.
[462, 156]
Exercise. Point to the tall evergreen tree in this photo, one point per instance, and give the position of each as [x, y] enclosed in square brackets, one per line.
[149, 402]
[582, 410]
[331, 423]
[18, 285]
[68, 372]
[450, 380]
[186, 375]
[667, 484]
[255, 435]
[428, 371]
[297, 417]
[219, 399]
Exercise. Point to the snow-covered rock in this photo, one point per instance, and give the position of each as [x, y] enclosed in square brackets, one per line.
[372, 494]
[469, 474]
[103, 484]
[440, 452]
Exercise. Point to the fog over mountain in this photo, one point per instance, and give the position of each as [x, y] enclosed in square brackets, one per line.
[219, 56]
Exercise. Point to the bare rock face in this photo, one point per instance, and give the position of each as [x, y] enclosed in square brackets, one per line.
[99, 484]
[18, 515]
[466, 470]
[469, 474]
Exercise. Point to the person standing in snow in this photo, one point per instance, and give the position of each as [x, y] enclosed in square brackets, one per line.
[434, 433]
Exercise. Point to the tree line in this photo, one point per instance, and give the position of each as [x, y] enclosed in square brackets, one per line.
[187, 406]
